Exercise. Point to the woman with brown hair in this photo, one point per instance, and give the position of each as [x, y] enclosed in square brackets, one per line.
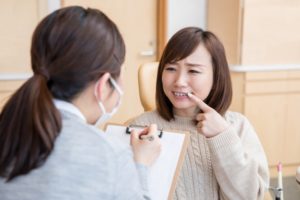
[225, 159]
[49, 145]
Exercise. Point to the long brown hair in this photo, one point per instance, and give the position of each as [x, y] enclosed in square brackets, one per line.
[71, 48]
[181, 45]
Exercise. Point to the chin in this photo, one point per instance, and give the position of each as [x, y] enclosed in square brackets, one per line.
[182, 106]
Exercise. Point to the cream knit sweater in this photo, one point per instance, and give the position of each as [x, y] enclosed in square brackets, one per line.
[229, 166]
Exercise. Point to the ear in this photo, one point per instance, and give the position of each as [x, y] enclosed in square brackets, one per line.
[101, 86]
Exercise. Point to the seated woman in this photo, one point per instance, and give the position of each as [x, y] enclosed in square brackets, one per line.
[225, 159]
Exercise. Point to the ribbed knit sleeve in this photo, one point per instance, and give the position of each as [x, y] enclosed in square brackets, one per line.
[239, 161]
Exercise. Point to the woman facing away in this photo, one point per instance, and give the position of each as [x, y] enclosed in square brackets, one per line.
[225, 159]
[49, 145]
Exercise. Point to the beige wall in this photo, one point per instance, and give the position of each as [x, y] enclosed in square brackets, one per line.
[224, 19]
[17, 20]
[270, 33]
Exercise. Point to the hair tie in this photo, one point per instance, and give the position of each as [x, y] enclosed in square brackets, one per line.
[44, 73]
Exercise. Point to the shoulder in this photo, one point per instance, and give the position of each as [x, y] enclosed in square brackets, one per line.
[239, 122]
[147, 118]
[235, 117]
[83, 156]
[80, 139]
[90, 153]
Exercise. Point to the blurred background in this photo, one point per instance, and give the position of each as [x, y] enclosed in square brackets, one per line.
[262, 43]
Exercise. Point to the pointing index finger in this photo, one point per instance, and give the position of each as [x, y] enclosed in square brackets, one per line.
[201, 104]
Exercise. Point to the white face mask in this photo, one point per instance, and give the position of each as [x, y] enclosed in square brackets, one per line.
[106, 116]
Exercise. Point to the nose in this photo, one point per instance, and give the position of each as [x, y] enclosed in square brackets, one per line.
[181, 80]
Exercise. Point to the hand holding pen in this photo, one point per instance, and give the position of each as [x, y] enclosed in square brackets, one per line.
[145, 144]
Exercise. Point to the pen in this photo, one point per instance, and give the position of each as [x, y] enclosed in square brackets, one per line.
[143, 135]
[130, 127]
[146, 137]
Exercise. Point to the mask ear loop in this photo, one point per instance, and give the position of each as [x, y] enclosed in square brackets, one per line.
[103, 110]
[95, 90]
[116, 86]
[119, 90]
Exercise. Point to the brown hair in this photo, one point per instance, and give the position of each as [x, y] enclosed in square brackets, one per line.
[71, 48]
[181, 45]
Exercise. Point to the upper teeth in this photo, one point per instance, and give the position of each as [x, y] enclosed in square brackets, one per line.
[180, 94]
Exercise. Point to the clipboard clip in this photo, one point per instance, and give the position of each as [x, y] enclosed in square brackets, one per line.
[129, 128]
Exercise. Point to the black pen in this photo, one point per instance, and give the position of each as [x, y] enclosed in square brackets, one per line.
[129, 128]
[146, 137]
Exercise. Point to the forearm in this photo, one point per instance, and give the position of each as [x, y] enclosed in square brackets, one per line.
[131, 179]
[143, 172]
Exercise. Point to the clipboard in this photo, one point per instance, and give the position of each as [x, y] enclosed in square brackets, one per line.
[165, 171]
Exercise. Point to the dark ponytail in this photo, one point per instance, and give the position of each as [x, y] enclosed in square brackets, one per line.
[29, 124]
[71, 48]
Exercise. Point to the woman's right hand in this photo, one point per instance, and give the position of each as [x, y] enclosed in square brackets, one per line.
[145, 151]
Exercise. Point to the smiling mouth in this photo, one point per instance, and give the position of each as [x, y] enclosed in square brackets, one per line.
[180, 94]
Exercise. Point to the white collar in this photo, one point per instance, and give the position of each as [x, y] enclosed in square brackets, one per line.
[69, 107]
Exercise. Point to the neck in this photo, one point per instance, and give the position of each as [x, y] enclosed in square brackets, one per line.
[84, 102]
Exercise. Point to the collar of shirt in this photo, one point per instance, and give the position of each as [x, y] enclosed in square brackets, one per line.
[69, 107]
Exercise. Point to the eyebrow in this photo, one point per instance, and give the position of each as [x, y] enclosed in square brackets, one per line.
[194, 65]
[188, 64]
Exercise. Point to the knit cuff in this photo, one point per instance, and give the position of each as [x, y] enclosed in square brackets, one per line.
[225, 142]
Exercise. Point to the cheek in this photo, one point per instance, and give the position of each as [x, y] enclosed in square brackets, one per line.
[209, 84]
[165, 81]
[203, 87]
[111, 103]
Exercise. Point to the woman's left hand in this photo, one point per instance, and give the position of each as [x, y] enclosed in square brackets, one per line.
[209, 122]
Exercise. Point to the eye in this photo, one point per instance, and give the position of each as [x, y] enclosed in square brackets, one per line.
[170, 68]
[195, 71]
